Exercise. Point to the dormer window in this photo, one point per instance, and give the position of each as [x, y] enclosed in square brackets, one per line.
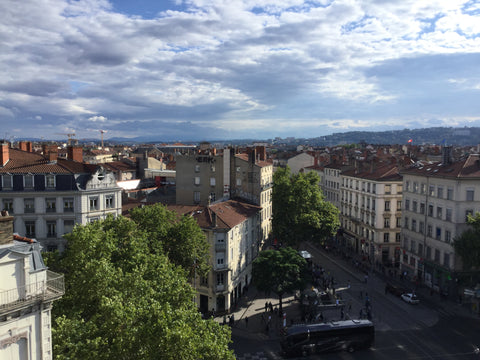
[7, 181]
[28, 181]
[101, 176]
[50, 181]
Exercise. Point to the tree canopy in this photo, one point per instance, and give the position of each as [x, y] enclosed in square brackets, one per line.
[125, 301]
[280, 271]
[299, 211]
[181, 239]
[467, 244]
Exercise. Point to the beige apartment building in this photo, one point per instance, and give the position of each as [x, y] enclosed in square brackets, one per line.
[438, 197]
[370, 212]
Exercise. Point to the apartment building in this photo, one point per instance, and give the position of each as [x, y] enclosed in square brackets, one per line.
[207, 176]
[47, 196]
[331, 183]
[233, 230]
[27, 291]
[437, 199]
[370, 212]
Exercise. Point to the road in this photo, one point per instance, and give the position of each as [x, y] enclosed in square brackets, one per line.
[403, 331]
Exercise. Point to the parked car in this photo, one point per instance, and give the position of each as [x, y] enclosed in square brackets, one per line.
[395, 290]
[410, 298]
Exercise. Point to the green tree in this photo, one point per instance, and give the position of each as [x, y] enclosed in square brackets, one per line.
[299, 211]
[467, 244]
[123, 301]
[181, 239]
[280, 271]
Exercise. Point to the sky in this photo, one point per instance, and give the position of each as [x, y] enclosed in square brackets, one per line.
[182, 70]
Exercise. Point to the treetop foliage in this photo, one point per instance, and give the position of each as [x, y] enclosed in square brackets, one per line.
[467, 244]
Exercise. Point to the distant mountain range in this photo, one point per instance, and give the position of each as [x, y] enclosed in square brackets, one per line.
[437, 135]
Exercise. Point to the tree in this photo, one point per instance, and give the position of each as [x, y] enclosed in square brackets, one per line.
[181, 240]
[124, 301]
[467, 244]
[280, 271]
[299, 211]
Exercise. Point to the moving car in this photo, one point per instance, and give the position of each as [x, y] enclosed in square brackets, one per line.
[395, 290]
[410, 298]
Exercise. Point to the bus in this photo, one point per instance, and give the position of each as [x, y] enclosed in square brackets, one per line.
[348, 335]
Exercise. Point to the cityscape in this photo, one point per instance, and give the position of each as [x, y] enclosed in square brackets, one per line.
[243, 179]
[391, 215]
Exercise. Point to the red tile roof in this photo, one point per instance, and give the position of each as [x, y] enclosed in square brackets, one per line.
[467, 168]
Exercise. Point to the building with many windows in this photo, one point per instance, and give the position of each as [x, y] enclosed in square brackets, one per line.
[437, 199]
[370, 212]
[27, 291]
[233, 229]
[47, 196]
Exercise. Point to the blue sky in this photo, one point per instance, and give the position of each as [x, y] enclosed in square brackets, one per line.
[228, 69]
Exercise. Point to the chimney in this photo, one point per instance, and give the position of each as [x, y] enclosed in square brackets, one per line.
[75, 153]
[50, 152]
[4, 154]
[6, 228]
[262, 152]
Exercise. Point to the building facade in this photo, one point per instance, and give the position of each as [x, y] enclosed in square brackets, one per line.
[370, 213]
[27, 292]
[47, 196]
[438, 197]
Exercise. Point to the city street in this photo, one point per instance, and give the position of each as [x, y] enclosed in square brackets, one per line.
[433, 329]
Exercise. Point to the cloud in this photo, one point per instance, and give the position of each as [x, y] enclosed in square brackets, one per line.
[239, 67]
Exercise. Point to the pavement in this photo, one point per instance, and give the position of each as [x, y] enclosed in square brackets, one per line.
[251, 318]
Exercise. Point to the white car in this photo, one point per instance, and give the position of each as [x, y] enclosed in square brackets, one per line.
[410, 298]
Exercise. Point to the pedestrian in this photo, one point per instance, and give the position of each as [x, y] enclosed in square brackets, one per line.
[224, 319]
[232, 320]
[361, 314]
[270, 306]
[229, 321]
[266, 306]
[246, 321]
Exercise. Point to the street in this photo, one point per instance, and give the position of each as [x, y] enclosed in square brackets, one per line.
[429, 330]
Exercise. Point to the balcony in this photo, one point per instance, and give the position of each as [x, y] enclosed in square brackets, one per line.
[50, 289]
[220, 267]
[219, 246]
[220, 288]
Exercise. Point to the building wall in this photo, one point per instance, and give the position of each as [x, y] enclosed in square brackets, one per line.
[300, 161]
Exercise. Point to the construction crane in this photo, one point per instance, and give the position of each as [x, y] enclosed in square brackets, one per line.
[102, 132]
[70, 137]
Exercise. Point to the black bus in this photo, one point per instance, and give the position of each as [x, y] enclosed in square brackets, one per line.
[349, 335]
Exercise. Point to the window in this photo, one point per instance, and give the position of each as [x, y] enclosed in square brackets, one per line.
[414, 206]
[440, 192]
[397, 237]
[30, 229]
[407, 204]
[415, 187]
[438, 233]
[93, 219]
[373, 204]
[420, 249]
[67, 204]
[448, 236]
[470, 194]
[407, 185]
[368, 187]
[7, 181]
[446, 260]
[439, 212]
[414, 225]
[448, 214]
[29, 205]
[467, 214]
[388, 189]
[421, 227]
[428, 256]
[374, 188]
[399, 205]
[423, 188]
[51, 205]
[386, 223]
[429, 230]
[220, 259]
[212, 181]
[431, 190]
[406, 222]
[413, 246]
[50, 181]
[197, 180]
[68, 226]
[430, 210]
[8, 205]
[220, 278]
[51, 228]
[93, 203]
[109, 201]
[196, 196]
[437, 255]
[387, 205]
[422, 208]
[449, 193]
[386, 237]
[204, 280]
[212, 197]
[28, 181]
[399, 222]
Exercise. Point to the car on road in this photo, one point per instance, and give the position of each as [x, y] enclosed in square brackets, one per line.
[395, 290]
[410, 298]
